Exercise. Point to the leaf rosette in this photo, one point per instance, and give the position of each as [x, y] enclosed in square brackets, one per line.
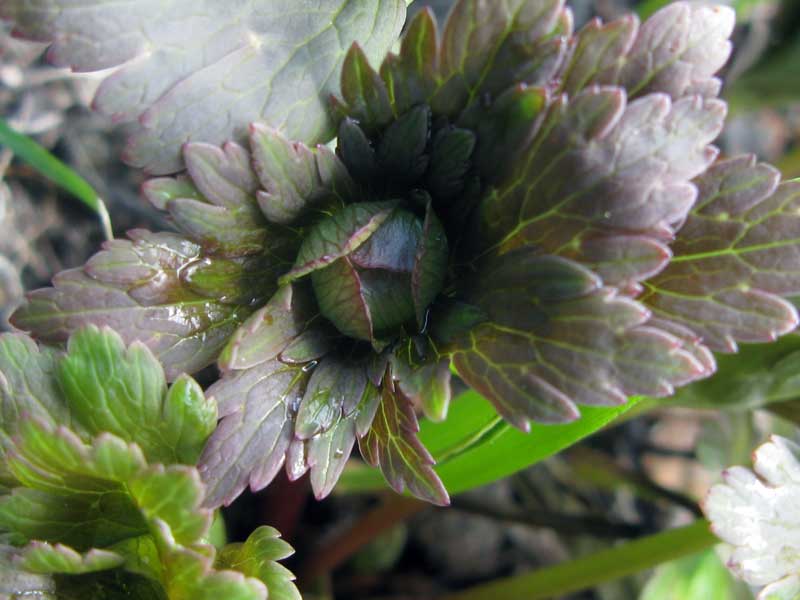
[541, 209]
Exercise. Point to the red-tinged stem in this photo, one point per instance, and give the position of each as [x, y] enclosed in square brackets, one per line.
[392, 511]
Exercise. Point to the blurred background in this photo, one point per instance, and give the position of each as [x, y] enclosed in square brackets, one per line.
[639, 477]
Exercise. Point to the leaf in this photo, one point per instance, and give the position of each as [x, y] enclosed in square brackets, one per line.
[679, 49]
[339, 294]
[257, 557]
[430, 265]
[190, 573]
[634, 161]
[122, 390]
[754, 511]
[328, 453]
[44, 558]
[392, 444]
[364, 91]
[334, 390]
[474, 447]
[27, 385]
[734, 258]
[699, 577]
[548, 319]
[249, 446]
[269, 330]
[338, 236]
[218, 209]
[427, 386]
[479, 43]
[95, 495]
[288, 172]
[134, 287]
[204, 70]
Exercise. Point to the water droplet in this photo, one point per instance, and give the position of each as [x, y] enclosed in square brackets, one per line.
[338, 453]
[310, 366]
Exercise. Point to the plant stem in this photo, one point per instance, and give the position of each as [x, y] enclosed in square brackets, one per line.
[575, 575]
[392, 511]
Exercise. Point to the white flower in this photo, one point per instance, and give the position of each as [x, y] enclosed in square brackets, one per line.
[758, 513]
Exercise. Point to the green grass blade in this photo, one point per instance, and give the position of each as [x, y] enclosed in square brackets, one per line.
[600, 567]
[56, 171]
[474, 447]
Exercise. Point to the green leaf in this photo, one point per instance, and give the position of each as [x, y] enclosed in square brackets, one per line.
[44, 558]
[474, 447]
[122, 390]
[699, 577]
[206, 70]
[27, 383]
[91, 496]
[392, 444]
[257, 557]
[56, 171]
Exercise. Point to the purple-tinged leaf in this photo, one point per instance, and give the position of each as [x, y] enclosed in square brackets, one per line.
[249, 446]
[597, 54]
[356, 150]
[392, 444]
[504, 128]
[314, 343]
[287, 171]
[481, 40]
[27, 384]
[401, 151]
[364, 91]
[339, 295]
[223, 175]
[368, 408]
[548, 320]
[410, 76]
[328, 453]
[634, 162]
[135, 288]
[334, 390]
[268, 330]
[393, 246]
[451, 151]
[678, 50]
[335, 177]
[296, 459]
[430, 265]
[160, 190]
[734, 258]
[338, 236]
[204, 70]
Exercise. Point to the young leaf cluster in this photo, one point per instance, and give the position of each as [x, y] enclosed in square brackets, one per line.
[541, 208]
[99, 496]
